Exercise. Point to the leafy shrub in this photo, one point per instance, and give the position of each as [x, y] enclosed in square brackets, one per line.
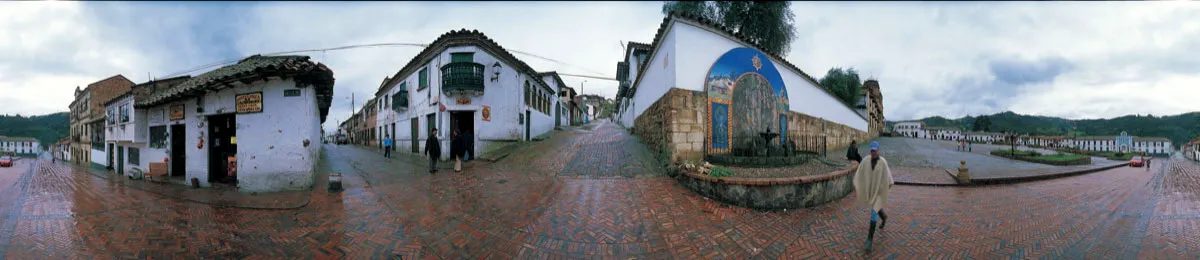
[719, 172]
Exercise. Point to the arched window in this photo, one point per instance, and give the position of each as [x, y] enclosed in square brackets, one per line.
[527, 94]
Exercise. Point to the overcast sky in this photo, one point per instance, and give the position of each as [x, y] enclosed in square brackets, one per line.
[1072, 60]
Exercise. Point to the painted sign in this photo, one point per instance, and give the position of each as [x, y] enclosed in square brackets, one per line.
[176, 112]
[463, 100]
[249, 103]
[487, 113]
[743, 82]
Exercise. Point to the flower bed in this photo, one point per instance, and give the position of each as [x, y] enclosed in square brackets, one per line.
[1062, 159]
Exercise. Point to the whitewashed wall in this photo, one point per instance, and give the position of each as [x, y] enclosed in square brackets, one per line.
[99, 157]
[658, 79]
[505, 96]
[272, 154]
[702, 49]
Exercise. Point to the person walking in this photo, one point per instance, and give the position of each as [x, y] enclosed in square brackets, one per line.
[852, 153]
[433, 149]
[387, 146]
[872, 181]
[456, 150]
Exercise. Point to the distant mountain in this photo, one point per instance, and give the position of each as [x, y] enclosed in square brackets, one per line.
[46, 128]
[1179, 128]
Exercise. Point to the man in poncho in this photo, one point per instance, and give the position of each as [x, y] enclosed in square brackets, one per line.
[871, 184]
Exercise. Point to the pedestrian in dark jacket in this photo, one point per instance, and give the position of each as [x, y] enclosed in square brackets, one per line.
[457, 145]
[433, 149]
[470, 146]
[852, 153]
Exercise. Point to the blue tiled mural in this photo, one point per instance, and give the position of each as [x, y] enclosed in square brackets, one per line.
[720, 126]
[758, 103]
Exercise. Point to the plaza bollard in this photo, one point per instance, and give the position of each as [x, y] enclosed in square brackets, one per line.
[335, 182]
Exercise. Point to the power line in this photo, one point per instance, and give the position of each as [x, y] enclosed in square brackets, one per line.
[226, 62]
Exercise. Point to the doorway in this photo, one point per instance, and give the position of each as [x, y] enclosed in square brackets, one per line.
[464, 123]
[120, 160]
[178, 151]
[110, 157]
[416, 132]
[528, 121]
[557, 114]
[222, 148]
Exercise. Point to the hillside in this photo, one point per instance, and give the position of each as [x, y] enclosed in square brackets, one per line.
[46, 128]
[1178, 128]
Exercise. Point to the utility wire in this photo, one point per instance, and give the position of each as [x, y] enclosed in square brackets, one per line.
[227, 62]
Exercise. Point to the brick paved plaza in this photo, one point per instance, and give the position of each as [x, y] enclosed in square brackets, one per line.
[593, 194]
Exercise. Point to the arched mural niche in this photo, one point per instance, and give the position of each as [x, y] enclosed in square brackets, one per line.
[746, 97]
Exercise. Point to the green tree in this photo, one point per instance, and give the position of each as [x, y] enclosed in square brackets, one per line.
[982, 123]
[844, 84]
[767, 24]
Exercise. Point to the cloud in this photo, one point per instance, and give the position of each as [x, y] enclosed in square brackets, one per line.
[952, 59]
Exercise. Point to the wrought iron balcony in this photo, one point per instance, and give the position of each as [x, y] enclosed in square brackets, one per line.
[462, 78]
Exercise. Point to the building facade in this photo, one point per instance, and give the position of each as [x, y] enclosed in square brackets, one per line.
[256, 123]
[21, 146]
[872, 107]
[125, 130]
[88, 119]
[697, 76]
[914, 129]
[1191, 150]
[466, 82]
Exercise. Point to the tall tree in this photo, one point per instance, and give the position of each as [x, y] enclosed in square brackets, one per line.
[844, 84]
[982, 123]
[767, 24]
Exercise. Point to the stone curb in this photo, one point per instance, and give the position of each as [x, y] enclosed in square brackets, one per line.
[226, 205]
[1012, 180]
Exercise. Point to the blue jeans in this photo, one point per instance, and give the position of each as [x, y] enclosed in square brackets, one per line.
[874, 215]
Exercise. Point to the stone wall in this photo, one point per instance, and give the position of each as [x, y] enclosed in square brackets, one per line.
[676, 126]
[773, 193]
[675, 123]
[835, 135]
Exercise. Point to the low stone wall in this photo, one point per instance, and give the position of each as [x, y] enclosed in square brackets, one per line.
[773, 193]
[676, 127]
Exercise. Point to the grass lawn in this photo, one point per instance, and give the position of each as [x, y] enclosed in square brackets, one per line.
[1059, 158]
[1009, 151]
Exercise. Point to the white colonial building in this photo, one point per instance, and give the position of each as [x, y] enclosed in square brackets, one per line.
[125, 128]
[21, 146]
[945, 133]
[910, 129]
[464, 81]
[256, 123]
[1157, 146]
[984, 137]
[1191, 150]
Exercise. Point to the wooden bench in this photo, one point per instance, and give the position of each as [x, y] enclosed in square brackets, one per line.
[158, 169]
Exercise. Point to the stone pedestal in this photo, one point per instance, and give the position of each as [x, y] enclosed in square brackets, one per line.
[963, 177]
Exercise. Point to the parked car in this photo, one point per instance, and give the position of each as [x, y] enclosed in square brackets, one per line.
[6, 161]
[1136, 162]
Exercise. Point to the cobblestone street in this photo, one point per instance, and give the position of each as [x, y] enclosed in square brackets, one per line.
[594, 194]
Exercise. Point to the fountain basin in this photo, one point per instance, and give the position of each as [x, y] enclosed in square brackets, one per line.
[773, 193]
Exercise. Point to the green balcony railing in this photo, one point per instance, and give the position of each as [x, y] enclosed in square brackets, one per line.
[462, 78]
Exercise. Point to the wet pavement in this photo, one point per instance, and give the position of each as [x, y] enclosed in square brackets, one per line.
[594, 194]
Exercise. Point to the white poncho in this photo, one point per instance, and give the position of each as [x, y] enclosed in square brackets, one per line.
[872, 186]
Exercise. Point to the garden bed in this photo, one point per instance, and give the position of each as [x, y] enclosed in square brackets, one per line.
[799, 158]
[800, 186]
[1061, 159]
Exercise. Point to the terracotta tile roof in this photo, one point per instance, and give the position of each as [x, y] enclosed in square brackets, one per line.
[557, 79]
[662, 30]
[257, 67]
[17, 139]
[459, 38]
[1151, 139]
[144, 90]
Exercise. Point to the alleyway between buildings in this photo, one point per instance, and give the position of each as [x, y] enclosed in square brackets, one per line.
[592, 193]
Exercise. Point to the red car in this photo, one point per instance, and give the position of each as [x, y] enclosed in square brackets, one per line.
[6, 161]
[1136, 162]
